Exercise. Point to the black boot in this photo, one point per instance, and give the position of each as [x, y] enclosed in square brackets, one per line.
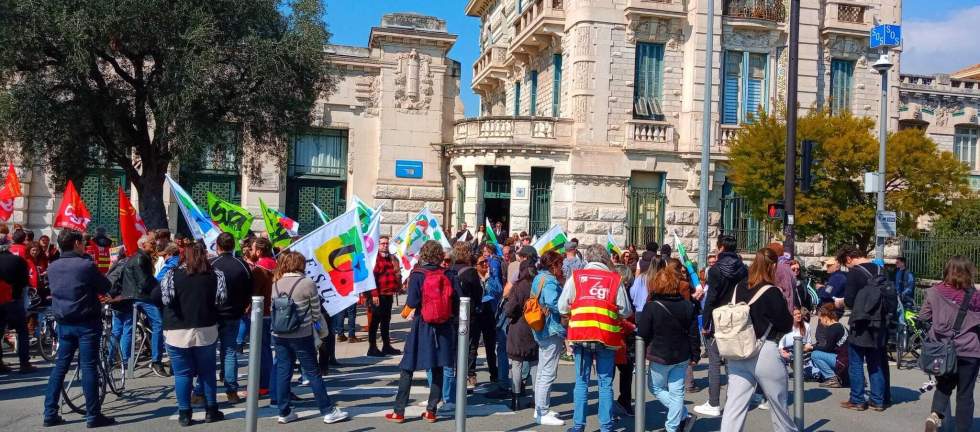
[213, 414]
[184, 417]
[373, 351]
[514, 401]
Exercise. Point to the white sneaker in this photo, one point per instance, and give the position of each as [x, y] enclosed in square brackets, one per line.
[335, 416]
[534, 414]
[708, 410]
[424, 403]
[448, 408]
[764, 405]
[291, 417]
[550, 419]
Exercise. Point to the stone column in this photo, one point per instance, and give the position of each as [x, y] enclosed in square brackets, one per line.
[520, 201]
[471, 204]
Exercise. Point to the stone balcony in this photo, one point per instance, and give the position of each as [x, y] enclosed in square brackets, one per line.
[489, 70]
[649, 136]
[846, 17]
[537, 24]
[725, 137]
[754, 14]
[512, 133]
[655, 9]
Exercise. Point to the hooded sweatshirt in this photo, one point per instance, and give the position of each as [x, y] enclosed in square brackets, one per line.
[728, 272]
[941, 305]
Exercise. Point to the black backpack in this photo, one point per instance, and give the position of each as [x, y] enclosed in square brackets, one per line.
[285, 316]
[877, 302]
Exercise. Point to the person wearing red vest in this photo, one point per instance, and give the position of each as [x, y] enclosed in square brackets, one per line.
[99, 249]
[597, 307]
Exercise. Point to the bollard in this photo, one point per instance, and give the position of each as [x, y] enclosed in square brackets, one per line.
[798, 381]
[254, 365]
[131, 372]
[639, 377]
[462, 362]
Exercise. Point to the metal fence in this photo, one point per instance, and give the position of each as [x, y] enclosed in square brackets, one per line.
[926, 256]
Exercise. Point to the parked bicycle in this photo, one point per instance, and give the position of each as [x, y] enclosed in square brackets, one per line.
[110, 367]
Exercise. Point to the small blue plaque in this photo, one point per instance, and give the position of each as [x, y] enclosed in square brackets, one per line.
[408, 169]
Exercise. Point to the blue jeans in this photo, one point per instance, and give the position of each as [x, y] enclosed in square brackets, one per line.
[448, 383]
[122, 331]
[15, 318]
[667, 384]
[549, 350]
[503, 364]
[156, 329]
[351, 315]
[824, 363]
[243, 330]
[188, 363]
[85, 339]
[288, 350]
[228, 353]
[605, 364]
[268, 363]
[857, 357]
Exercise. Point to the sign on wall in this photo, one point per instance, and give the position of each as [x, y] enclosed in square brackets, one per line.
[408, 169]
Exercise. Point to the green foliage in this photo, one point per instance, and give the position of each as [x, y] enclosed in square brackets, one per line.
[962, 219]
[142, 83]
[919, 179]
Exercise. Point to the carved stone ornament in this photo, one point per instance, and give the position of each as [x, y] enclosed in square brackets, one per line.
[413, 81]
[591, 180]
[367, 90]
[749, 40]
[657, 30]
[846, 47]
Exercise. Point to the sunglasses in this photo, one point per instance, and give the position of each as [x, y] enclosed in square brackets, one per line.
[481, 263]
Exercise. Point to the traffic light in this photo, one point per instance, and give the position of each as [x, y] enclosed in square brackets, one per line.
[775, 210]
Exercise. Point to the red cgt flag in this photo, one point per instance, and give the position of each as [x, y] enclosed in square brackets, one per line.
[72, 213]
[9, 191]
[131, 226]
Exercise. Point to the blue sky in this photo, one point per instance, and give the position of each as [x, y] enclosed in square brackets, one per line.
[940, 35]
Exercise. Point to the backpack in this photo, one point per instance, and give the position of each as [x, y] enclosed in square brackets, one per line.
[734, 333]
[437, 297]
[285, 315]
[876, 303]
[534, 314]
[938, 357]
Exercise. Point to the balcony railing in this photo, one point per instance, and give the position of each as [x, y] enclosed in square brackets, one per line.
[726, 136]
[847, 13]
[540, 17]
[518, 132]
[648, 135]
[768, 10]
[655, 8]
[489, 68]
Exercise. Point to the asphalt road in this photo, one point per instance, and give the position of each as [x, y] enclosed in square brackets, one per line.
[365, 387]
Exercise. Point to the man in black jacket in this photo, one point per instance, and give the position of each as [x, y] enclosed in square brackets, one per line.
[238, 282]
[75, 286]
[865, 343]
[13, 279]
[727, 273]
[137, 282]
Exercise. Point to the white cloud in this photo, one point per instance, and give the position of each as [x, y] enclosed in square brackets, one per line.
[943, 45]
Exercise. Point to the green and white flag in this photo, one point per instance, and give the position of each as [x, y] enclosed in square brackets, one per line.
[682, 251]
[553, 239]
[611, 244]
[364, 213]
[320, 213]
[488, 230]
[200, 224]
[231, 218]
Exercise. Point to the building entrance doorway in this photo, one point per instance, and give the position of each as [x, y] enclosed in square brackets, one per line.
[496, 195]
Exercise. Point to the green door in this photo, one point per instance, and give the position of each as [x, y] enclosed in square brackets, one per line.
[646, 216]
[99, 190]
[540, 201]
[329, 195]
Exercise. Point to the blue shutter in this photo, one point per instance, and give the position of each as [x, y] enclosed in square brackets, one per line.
[841, 78]
[517, 98]
[730, 93]
[534, 93]
[755, 85]
[648, 72]
[556, 86]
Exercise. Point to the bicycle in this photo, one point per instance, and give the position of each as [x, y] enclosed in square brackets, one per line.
[909, 338]
[109, 365]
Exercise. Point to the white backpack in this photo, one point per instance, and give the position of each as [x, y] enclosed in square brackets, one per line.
[734, 333]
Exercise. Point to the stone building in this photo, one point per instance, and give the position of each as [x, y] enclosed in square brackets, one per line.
[947, 108]
[379, 136]
[591, 111]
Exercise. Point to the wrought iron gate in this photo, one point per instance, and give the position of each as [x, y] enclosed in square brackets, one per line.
[99, 190]
[329, 195]
[540, 201]
[646, 216]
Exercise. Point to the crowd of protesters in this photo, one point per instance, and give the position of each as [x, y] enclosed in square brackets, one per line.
[583, 304]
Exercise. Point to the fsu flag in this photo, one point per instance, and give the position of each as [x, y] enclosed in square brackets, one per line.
[72, 213]
[9, 191]
[131, 226]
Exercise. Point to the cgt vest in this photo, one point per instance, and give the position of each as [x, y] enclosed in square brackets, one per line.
[594, 315]
[101, 255]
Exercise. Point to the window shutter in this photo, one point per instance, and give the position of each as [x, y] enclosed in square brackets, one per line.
[556, 86]
[730, 91]
[841, 77]
[533, 110]
[755, 86]
[648, 75]
[517, 98]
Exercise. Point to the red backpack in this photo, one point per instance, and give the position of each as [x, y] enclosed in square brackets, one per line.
[437, 297]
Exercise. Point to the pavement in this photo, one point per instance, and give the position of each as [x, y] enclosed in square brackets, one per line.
[365, 387]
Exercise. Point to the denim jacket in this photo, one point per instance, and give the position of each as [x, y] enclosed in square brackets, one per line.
[548, 299]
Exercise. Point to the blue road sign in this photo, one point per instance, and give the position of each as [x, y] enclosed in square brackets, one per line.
[408, 169]
[886, 35]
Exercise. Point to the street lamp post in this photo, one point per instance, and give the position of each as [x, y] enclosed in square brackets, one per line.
[706, 124]
[882, 66]
[789, 173]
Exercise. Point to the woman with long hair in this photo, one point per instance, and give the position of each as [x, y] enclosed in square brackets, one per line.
[830, 336]
[522, 350]
[551, 337]
[942, 305]
[770, 320]
[189, 296]
[669, 325]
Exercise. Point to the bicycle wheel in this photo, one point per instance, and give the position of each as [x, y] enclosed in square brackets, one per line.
[113, 366]
[47, 344]
[72, 395]
[915, 344]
